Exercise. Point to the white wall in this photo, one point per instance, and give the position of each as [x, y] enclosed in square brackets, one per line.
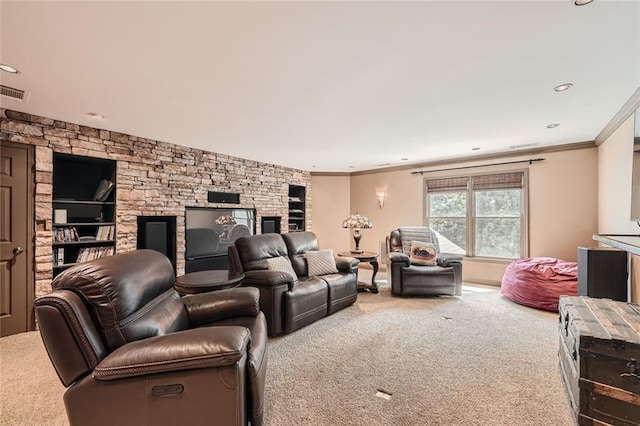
[615, 163]
[615, 160]
[562, 205]
[331, 205]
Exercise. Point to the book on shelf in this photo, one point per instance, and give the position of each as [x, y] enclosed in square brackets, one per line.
[58, 256]
[90, 253]
[65, 234]
[105, 232]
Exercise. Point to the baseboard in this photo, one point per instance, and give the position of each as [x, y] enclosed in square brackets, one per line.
[482, 281]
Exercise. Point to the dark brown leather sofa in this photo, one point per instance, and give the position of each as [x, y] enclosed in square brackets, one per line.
[131, 351]
[289, 303]
[407, 279]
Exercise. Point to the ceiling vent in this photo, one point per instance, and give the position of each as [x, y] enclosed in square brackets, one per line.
[10, 92]
[525, 145]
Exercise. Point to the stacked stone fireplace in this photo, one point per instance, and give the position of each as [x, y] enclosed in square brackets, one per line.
[153, 178]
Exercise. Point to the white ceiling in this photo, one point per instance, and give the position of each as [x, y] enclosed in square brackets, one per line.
[328, 86]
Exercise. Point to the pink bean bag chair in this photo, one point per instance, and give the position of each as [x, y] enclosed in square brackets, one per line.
[540, 281]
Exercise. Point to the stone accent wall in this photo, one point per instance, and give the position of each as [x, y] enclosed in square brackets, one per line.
[153, 178]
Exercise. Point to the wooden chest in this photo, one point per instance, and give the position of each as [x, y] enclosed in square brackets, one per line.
[599, 354]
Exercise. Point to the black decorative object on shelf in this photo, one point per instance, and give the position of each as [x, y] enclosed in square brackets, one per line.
[103, 191]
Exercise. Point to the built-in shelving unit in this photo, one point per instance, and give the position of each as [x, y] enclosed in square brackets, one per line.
[83, 209]
[297, 211]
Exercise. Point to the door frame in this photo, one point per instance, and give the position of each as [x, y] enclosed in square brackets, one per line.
[31, 243]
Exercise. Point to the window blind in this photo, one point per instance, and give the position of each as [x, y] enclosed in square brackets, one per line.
[447, 184]
[513, 180]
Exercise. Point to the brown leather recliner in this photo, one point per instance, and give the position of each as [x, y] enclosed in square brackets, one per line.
[407, 279]
[290, 303]
[133, 352]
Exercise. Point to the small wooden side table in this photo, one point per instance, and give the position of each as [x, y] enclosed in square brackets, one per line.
[365, 256]
[204, 281]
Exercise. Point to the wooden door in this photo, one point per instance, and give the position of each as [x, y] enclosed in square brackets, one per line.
[16, 246]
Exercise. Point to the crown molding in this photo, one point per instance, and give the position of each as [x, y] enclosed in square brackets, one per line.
[625, 112]
[330, 174]
[462, 160]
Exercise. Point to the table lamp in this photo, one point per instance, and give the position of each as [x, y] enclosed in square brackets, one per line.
[357, 222]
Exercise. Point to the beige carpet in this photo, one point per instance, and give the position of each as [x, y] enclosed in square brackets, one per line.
[473, 360]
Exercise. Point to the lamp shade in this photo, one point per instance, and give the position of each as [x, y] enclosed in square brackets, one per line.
[357, 221]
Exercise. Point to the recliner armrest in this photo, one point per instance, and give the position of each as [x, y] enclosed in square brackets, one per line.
[267, 278]
[346, 264]
[397, 257]
[448, 259]
[207, 347]
[214, 306]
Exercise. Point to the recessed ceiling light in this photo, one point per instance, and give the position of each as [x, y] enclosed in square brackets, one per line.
[581, 2]
[475, 149]
[95, 115]
[7, 68]
[404, 159]
[563, 87]
[552, 126]
[352, 167]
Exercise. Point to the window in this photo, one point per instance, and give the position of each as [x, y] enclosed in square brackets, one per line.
[479, 215]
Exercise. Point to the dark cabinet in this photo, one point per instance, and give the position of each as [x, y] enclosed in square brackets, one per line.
[297, 210]
[602, 273]
[83, 209]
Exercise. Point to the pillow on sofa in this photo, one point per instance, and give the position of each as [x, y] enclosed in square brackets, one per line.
[423, 253]
[321, 262]
[282, 264]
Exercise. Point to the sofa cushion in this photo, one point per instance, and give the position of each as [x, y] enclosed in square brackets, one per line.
[423, 253]
[298, 243]
[305, 303]
[281, 264]
[254, 250]
[320, 262]
[343, 291]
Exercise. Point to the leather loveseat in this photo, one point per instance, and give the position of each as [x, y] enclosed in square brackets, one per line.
[131, 351]
[291, 302]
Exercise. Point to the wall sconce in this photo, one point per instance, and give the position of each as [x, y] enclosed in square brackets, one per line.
[381, 194]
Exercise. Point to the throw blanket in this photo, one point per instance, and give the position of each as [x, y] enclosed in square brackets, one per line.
[417, 233]
[449, 259]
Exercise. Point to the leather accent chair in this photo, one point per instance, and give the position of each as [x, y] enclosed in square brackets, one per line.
[407, 279]
[131, 351]
[290, 303]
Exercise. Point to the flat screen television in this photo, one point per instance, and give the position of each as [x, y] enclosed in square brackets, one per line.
[209, 233]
